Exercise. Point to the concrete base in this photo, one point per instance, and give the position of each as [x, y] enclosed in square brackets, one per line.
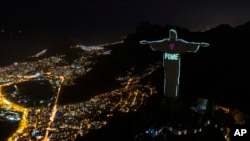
[171, 107]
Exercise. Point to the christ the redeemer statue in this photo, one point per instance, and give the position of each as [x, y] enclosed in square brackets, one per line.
[172, 47]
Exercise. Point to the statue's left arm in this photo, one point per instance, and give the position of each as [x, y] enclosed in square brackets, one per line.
[193, 46]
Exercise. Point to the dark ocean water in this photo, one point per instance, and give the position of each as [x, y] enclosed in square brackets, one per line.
[7, 129]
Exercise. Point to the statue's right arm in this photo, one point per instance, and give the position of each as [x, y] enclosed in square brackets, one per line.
[143, 42]
[155, 41]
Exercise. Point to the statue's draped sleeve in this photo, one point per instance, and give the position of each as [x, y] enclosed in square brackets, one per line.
[189, 46]
[161, 46]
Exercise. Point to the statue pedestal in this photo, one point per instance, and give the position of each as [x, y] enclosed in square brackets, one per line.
[170, 108]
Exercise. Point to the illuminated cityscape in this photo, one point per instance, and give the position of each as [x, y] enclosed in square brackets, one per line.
[46, 119]
[65, 122]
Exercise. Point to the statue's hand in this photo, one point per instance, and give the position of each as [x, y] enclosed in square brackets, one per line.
[203, 44]
[143, 42]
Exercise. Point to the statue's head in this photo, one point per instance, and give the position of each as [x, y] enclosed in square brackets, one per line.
[172, 34]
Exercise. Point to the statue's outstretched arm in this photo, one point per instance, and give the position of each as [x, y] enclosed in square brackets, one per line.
[155, 41]
[204, 44]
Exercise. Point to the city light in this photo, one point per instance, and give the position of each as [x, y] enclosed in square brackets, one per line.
[78, 118]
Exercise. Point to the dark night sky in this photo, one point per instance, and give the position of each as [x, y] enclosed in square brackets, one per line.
[111, 19]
